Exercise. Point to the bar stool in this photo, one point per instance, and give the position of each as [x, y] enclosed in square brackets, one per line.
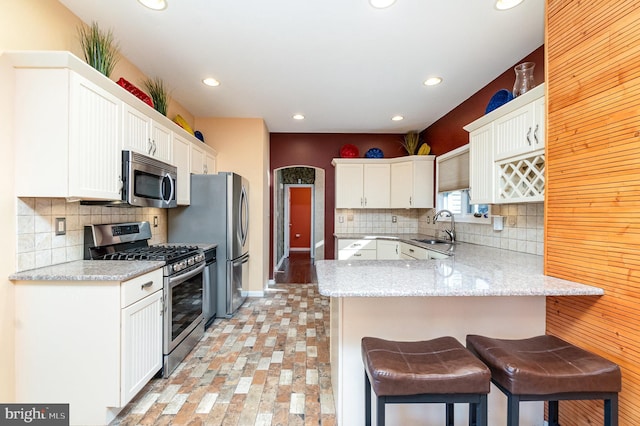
[441, 370]
[546, 368]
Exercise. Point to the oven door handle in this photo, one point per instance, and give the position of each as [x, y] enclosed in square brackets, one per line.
[183, 277]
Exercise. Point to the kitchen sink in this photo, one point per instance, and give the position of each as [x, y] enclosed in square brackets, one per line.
[433, 241]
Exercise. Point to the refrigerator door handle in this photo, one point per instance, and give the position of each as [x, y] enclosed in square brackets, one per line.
[243, 212]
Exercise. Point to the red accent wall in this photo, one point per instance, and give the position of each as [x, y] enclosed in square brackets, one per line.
[447, 133]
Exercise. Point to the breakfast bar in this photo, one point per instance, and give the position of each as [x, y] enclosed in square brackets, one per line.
[475, 290]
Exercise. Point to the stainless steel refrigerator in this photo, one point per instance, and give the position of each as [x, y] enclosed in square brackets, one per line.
[218, 214]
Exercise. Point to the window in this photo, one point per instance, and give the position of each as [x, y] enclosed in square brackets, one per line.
[452, 175]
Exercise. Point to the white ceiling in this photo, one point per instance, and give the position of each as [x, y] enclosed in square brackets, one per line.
[346, 66]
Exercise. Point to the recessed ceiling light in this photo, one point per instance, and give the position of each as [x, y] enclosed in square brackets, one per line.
[397, 118]
[210, 81]
[381, 4]
[507, 4]
[298, 117]
[154, 4]
[432, 81]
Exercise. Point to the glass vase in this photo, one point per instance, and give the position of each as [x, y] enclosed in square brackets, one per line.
[524, 78]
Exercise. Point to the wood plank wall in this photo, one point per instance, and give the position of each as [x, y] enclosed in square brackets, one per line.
[592, 207]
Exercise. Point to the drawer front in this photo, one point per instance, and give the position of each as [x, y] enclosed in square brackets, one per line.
[352, 244]
[415, 252]
[347, 254]
[140, 287]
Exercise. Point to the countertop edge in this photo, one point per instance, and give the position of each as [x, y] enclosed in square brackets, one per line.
[88, 270]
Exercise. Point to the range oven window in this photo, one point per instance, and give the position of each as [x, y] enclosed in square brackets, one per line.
[186, 304]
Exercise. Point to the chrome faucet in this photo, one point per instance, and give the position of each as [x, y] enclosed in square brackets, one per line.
[452, 231]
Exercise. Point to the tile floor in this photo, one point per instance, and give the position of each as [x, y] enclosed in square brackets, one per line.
[267, 366]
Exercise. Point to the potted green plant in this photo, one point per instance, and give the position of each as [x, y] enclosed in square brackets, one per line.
[410, 142]
[99, 47]
[158, 92]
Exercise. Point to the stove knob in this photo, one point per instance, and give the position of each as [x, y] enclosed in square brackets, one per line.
[190, 261]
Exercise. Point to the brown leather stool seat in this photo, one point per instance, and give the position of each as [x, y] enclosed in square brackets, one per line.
[441, 370]
[546, 368]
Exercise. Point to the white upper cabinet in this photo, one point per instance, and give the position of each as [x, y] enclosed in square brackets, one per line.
[403, 182]
[197, 159]
[412, 182]
[361, 184]
[520, 131]
[210, 165]
[482, 171]
[142, 134]
[181, 159]
[72, 124]
[376, 186]
[507, 152]
[67, 136]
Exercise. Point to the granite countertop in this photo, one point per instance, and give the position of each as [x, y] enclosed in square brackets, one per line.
[89, 270]
[472, 270]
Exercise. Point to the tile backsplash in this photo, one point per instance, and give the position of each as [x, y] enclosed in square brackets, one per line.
[523, 225]
[37, 242]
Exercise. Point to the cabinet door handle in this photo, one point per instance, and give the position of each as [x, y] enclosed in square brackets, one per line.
[396, 249]
[362, 201]
[411, 250]
[410, 201]
[535, 134]
[145, 285]
[529, 136]
[150, 148]
[365, 201]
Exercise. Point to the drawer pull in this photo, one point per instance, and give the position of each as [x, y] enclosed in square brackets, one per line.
[357, 254]
[148, 284]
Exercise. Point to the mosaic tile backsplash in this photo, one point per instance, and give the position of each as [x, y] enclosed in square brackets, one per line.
[523, 225]
[37, 242]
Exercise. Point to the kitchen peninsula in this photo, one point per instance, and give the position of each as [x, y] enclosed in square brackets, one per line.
[476, 290]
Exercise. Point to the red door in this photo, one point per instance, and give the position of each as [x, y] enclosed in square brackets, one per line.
[300, 218]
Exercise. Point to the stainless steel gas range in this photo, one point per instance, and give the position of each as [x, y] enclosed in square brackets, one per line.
[183, 280]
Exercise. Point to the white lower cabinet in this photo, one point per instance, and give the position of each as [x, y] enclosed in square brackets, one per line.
[409, 251]
[387, 249]
[141, 340]
[357, 249]
[91, 344]
[381, 249]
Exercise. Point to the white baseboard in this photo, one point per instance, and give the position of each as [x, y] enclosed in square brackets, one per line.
[253, 293]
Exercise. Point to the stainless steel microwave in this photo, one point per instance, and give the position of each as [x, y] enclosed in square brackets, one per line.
[148, 182]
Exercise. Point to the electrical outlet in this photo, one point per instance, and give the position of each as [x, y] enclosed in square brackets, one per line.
[61, 225]
[341, 219]
[394, 219]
